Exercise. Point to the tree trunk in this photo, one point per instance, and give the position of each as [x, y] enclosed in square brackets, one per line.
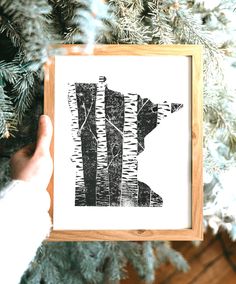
[102, 181]
[80, 190]
[164, 109]
[129, 181]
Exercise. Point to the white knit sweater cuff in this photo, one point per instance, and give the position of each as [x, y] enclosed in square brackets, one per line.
[19, 193]
[24, 224]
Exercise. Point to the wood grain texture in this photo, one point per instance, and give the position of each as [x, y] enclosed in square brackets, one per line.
[213, 261]
[49, 76]
[197, 138]
[195, 53]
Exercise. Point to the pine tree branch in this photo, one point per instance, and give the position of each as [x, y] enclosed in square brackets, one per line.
[9, 71]
[218, 122]
[10, 29]
[65, 13]
[58, 16]
[166, 254]
[24, 92]
[86, 20]
[190, 30]
[32, 19]
[7, 119]
[161, 29]
[130, 27]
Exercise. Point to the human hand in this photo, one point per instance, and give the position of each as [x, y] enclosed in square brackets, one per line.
[34, 164]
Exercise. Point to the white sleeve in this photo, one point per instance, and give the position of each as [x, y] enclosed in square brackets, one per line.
[24, 224]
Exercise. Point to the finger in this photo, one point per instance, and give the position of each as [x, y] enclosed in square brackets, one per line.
[24, 152]
[44, 135]
[28, 150]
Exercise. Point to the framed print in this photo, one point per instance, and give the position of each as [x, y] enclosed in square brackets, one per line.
[127, 145]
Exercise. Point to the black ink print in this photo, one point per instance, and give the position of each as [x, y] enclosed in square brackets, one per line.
[108, 130]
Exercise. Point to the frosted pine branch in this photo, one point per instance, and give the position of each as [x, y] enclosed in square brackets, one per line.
[9, 72]
[129, 22]
[7, 121]
[167, 254]
[24, 92]
[189, 30]
[161, 29]
[32, 18]
[11, 30]
[86, 22]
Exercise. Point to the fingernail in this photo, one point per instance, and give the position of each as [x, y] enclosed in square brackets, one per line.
[43, 118]
[45, 123]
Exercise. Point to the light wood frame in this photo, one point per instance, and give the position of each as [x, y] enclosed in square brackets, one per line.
[194, 233]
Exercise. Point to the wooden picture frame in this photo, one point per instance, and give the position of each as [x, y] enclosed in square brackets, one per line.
[194, 53]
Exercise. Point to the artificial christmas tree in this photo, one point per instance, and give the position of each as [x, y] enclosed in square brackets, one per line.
[29, 28]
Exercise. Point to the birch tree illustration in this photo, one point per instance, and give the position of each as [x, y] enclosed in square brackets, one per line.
[102, 185]
[77, 158]
[164, 109]
[129, 180]
[109, 130]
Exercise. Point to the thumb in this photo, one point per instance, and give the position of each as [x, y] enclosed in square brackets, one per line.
[44, 135]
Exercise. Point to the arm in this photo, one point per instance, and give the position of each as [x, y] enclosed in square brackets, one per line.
[24, 204]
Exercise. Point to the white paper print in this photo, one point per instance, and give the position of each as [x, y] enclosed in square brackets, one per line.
[122, 142]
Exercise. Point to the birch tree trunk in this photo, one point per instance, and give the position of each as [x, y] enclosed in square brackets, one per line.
[80, 190]
[164, 109]
[129, 179]
[102, 181]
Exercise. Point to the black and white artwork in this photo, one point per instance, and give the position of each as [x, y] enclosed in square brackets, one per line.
[109, 129]
[122, 142]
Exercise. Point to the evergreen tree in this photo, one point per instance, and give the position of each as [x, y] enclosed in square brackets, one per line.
[29, 27]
